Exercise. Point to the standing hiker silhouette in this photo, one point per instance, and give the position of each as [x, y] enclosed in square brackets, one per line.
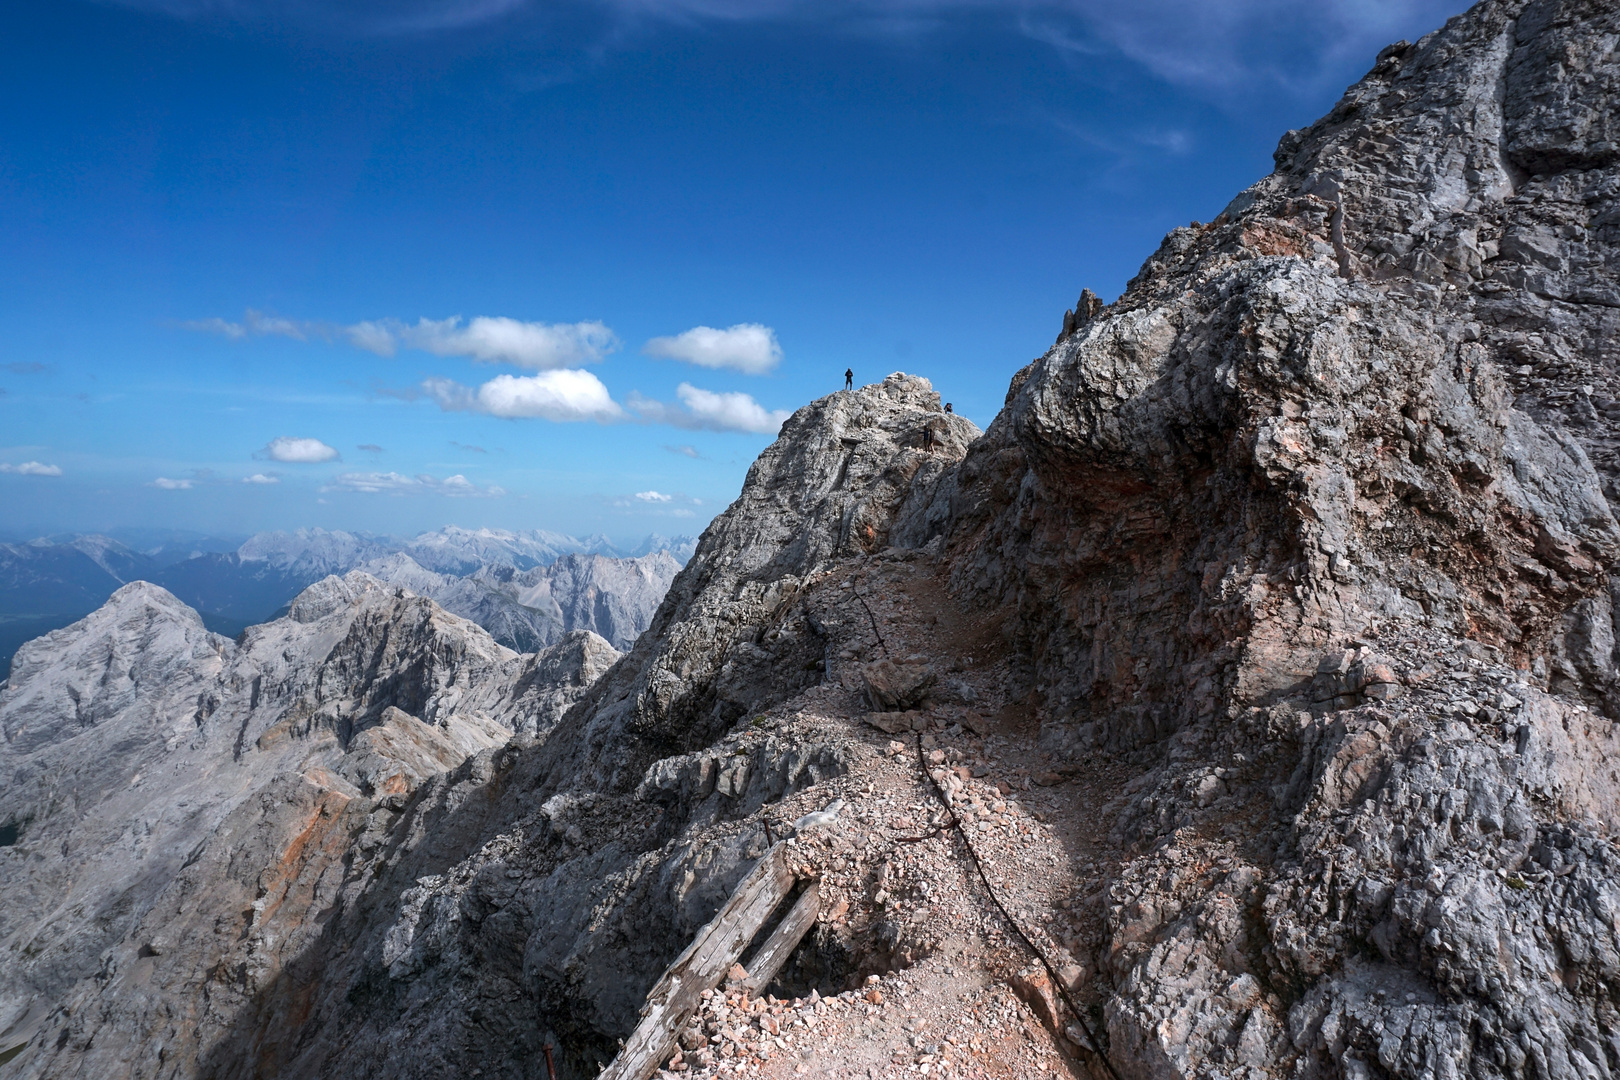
[849, 378]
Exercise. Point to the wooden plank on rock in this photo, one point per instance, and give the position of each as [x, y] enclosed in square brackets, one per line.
[783, 940]
[701, 967]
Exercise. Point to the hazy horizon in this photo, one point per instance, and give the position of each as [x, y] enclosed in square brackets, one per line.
[140, 537]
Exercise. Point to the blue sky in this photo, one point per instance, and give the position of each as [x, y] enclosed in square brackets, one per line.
[563, 265]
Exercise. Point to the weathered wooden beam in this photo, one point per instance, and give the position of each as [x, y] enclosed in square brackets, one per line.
[701, 967]
[783, 940]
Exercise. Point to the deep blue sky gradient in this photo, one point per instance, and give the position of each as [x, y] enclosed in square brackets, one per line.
[905, 186]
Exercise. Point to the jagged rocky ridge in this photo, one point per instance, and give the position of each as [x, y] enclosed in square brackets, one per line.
[528, 609]
[158, 777]
[1310, 533]
[528, 589]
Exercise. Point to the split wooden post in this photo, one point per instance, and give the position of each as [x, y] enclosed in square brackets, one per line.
[783, 940]
[701, 967]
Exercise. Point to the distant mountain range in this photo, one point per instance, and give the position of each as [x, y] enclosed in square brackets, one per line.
[527, 588]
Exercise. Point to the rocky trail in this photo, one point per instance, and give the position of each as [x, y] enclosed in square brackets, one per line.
[954, 990]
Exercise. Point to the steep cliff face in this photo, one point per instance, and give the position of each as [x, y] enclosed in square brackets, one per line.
[1308, 521]
[845, 472]
[1283, 435]
[181, 801]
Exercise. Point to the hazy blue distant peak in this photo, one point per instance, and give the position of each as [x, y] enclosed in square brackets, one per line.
[458, 534]
[116, 559]
[681, 547]
[334, 551]
[454, 548]
[317, 550]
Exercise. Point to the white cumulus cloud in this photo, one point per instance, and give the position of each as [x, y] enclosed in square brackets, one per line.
[710, 411]
[261, 478]
[172, 485]
[393, 483]
[32, 468]
[299, 451]
[653, 497]
[565, 394]
[746, 347]
[490, 339]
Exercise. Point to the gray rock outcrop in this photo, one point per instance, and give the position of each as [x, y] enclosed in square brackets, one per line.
[154, 771]
[1366, 407]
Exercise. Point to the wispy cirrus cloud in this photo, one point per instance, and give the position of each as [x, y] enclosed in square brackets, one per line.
[393, 483]
[256, 324]
[1225, 46]
[346, 17]
[751, 348]
[490, 339]
[1235, 45]
[167, 484]
[706, 410]
[31, 468]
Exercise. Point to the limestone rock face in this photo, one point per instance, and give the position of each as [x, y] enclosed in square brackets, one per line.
[1291, 435]
[179, 798]
[846, 472]
[1367, 406]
